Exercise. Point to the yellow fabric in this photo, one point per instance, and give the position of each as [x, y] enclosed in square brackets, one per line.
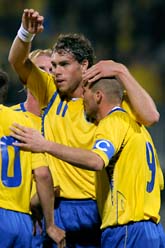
[69, 128]
[128, 199]
[16, 194]
[37, 123]
[65, 123]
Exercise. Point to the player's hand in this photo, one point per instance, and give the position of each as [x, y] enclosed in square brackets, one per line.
[57, 235]
[103, 69]
[29, 138]
[32, 21]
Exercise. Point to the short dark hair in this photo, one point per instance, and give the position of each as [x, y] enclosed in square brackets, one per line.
[111, 87]
[4, 80]
[76, 44]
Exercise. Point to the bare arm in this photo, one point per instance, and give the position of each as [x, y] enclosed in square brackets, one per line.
[45, 192]
[32, 140]
[141, 102]
[78, 157]
[37, 214]
[32, 22]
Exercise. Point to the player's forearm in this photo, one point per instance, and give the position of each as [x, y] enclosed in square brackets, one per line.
[19, 52]
[81, 158]
[32, 23]
[141, 102]
[45, 191]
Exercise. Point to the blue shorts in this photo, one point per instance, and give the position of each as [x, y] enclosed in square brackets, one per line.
[15, 229]
[37, 240]
[142, 234]
[81, 221]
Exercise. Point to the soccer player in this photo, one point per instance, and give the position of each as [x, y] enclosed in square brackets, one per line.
[128, 178]
[17, 169]
[64, 121]
[42, 59]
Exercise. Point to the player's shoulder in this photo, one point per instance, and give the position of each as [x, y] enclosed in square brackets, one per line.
[116, 118]
[117, 113]
[9, 115]
[16, 107]
[5, 109]
[20, 116]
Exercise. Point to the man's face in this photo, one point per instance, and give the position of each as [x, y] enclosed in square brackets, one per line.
[90, 103]
[43, 62]
[68, 73]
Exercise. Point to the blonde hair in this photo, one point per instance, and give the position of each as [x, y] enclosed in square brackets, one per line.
[39, 52]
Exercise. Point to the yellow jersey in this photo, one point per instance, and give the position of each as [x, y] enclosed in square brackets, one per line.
[128, 188]
[17, 166]
[37, 123]
[64, 122]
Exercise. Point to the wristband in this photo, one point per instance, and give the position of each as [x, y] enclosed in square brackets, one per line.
[24, 35]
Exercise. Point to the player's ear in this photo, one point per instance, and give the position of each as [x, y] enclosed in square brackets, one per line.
[98, 96]
[84, 65]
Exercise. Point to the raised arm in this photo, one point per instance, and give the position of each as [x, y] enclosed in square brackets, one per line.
[32, 23]
[140, 101]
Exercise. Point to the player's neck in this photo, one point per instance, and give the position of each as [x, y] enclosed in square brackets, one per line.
[77, 93]
[104, 110]
[33, 108]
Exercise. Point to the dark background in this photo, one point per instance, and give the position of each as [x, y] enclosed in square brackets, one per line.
[130, 32]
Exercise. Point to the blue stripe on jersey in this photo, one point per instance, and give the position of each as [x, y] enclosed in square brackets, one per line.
[22, 105]
[46, 111]
[60, 107]
[64, 110]
[105, 146]
[50, 103]
[116, 109]
[57, 112]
